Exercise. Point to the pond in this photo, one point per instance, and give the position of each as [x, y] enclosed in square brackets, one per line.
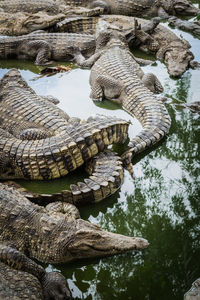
[161, 202]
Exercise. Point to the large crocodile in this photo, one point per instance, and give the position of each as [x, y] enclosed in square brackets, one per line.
[141, 7]
[40, 141]
[115, 75]
[44, 47]
[53, 234]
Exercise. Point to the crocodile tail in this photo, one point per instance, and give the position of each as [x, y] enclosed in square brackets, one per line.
[77, 24]
[153, 115]
[105, 178]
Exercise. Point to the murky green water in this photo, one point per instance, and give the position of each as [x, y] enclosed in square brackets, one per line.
[161, 204]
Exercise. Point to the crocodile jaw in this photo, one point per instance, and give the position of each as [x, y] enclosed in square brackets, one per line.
[91, 241]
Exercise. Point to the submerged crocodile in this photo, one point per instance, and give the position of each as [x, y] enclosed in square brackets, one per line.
[44, 47]
[40, 141]
[115, 75]
[140, 8]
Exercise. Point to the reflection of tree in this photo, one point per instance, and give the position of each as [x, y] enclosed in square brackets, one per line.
[182, 87]
[166, 269]
[162, 207]
[182, 144]
[163, 271]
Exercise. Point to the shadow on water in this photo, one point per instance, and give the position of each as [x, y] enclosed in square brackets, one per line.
[160, 204]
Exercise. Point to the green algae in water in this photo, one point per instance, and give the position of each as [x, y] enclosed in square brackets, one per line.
[161, 202]
[55, 185]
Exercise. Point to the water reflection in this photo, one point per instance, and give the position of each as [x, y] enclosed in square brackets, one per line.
[162, 207]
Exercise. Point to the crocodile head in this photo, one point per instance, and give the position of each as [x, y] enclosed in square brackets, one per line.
[79, 239]
[177, 56]
[178, 61]
[41, 20]
[185, 8]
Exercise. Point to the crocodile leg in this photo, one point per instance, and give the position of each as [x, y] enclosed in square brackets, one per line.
[53, 283]
[143, 62]
[152, 83]
[17, 260]
[86, 63]
[39, 49]
[98, 85]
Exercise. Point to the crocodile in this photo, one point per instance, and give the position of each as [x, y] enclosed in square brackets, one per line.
[145, 8]
[27, 279]
[174, 51]
[45, 47]
[170, 48]
[23, 23]
[30, 6]
[185, 25]
[52, 234]
[39, 141]
[116, 75]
